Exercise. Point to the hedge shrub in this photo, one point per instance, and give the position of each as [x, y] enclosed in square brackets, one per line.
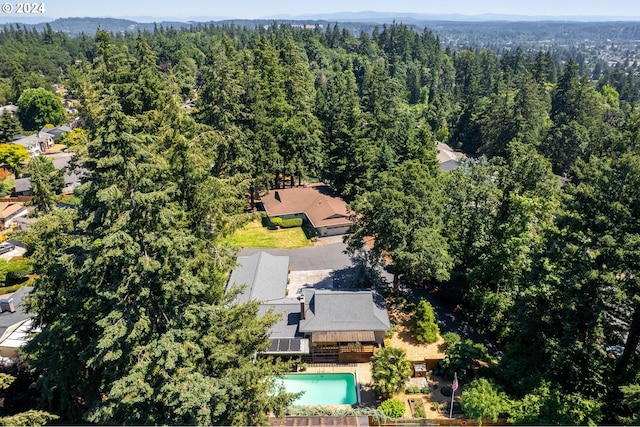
[290, 223]
[392, 408]
[276, 220]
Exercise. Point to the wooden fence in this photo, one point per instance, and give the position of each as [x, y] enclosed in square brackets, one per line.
[436, 422]
[15, 199]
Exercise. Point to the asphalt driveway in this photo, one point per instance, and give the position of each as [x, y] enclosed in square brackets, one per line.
[323, 257]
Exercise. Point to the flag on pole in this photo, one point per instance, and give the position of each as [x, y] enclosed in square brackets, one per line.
[454, 387]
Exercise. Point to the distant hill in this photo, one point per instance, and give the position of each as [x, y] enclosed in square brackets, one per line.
[77, 26]
[370, 16]
[455, 33]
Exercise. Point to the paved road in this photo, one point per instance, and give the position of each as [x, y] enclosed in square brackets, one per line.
[330, 256]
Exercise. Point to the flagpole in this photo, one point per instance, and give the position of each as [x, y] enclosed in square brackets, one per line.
[454, 387]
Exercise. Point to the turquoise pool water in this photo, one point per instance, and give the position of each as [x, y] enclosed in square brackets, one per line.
[322, 389]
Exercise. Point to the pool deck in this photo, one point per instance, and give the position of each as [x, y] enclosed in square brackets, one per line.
[367, 396]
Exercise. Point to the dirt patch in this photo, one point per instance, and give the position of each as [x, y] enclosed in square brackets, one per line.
[402, 338]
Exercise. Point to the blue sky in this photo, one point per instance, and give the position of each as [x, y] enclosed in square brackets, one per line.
[267, 8]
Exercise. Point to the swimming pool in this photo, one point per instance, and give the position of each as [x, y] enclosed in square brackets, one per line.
[322, 389]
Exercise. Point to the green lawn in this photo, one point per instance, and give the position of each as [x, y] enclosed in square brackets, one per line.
[254, 235]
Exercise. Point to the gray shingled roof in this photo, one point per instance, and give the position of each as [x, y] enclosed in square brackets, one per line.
[22, 185]
[264, 275]
[57, 131]
[329, 310]
[60, 162]
[449, 165]
[8, 319]
[287, 326]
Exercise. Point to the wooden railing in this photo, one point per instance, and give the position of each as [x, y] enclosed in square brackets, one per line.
[352, 348]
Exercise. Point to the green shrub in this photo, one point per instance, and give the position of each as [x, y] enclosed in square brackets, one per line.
[392, 330]
[462, 357]
[424, 327]
[450, 340]
[446, 390]
[6, 186]
[276, 220]
[290, 223]
[307, 411]
[392, 408]
[419, 412]
[413, 389]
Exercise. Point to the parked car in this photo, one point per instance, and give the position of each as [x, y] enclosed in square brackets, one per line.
[6, 247]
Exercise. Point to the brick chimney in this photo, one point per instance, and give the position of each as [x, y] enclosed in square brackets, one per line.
[302, 306]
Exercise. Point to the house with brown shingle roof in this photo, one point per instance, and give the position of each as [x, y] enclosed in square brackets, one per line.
[318, 204]
[9, 211]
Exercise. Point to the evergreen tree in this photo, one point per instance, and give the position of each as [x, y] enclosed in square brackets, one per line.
[424, 327]
[350, 158]
[46, 182]
[301, 146]
[269, 110]
[139, 332]
[9, 127]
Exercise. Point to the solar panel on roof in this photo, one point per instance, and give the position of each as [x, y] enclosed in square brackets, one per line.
[294, 345]
[273, 346]
[285, 345]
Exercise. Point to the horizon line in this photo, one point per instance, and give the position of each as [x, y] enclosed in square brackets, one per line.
[487, 16]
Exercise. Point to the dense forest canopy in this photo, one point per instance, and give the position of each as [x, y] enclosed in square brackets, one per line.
[536, 234]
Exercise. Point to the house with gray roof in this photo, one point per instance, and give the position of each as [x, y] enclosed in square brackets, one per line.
[263, 275]
[344, 316]
[72, 177]
[15, 322]
[35, 144]
[56, 132]
[321, 324]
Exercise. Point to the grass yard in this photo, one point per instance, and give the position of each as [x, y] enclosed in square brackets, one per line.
[255, 235]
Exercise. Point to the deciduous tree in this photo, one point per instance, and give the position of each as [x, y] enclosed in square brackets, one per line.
[13, 155]
[38, 107]
[409, 228]
[481, 401]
